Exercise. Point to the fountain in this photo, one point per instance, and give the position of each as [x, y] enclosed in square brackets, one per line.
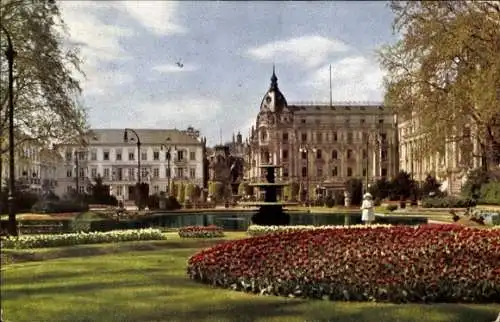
[270, 209]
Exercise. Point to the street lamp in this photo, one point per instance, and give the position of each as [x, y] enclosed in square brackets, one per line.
[306, 151]
[10, 53]
[168, 157]
[125, 139]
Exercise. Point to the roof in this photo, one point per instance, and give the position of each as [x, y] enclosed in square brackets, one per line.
[340, 108]
[146, 136]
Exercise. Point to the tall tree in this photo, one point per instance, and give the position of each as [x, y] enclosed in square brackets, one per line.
[46, 90]
[444, 72]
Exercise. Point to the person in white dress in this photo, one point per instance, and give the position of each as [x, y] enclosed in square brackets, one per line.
[367, 208]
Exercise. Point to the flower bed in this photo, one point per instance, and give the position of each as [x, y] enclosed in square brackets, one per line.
[427, 263]
[42, 241]
[256, 230]
[211, 231]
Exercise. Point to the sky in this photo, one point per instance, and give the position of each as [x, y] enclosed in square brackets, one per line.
[207, 64]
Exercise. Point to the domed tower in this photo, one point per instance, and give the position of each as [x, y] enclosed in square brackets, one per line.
[274, 101]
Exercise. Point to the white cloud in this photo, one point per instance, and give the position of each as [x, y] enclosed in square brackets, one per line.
[310, 51]
[355, 78]
[101, 82]
[174, 68]
[156, 16]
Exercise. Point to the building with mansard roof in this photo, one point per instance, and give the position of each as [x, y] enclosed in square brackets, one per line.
[323, 145]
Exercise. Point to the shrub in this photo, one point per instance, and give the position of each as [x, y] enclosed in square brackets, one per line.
[448, 202]
[256, 230]
[23, 201]
[172, 204]
[391, 208]
[60, 206]
[329, 202]
[355, 188]
[429, 263]
[490, 193]
[211, 231]
[42, 241]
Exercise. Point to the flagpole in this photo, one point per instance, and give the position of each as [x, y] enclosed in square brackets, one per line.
[331, 102]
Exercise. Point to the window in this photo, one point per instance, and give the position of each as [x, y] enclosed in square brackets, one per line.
[118, 156]
[144, 173]
[156, 172]
[106, 173]
[180, 155]
[319, 172]
[263, 135]
[350, 154]
[192, 173]
[69, 156]
[81, 172]
[69, 173]
[144, 156]
[285, 154]
[119, 190]
[192, 155]
[303, 121]
[105, 156]
[384, 172]
[168, 172]
[349, 172]
[82, 189]
[285, 172]
[93, 156]
[384, 155]
[335, 137]
[304, 171]
[285, 137]
[349, 138]
[304, 155]
[131, 156]
[364, 172]
[131, 174]
[365, 137]
[319, 137]
[335, 155]
[362, 121]
[381, 121]
[156, 189]
[179, 172]
[303, 137]
[119, 174]
[93, 172]
[335, 172]
[69, 189]
[347, 121]
[156, 155]
[365, 154]
[318, 154]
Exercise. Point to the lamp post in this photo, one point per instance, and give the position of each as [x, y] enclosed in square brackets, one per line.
[168, 157]
[11, 54]
[125, 139]
[306, 150]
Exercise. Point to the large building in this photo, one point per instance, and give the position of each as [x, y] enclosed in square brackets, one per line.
[323, 145]
[107, 154]
[449, 164]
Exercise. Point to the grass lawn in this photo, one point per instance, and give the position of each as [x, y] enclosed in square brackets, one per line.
[145, 281]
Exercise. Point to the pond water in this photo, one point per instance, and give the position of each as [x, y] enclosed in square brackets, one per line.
[240, 221]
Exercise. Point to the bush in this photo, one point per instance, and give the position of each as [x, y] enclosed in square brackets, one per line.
[211, 231]
[153, 202]
[23, 201]
[391, 208]
[428, 263]
[329, 202]
[448, 202]
[42, 241]
[490, 193]
[172, 204]
[355, 188]
[60, 206]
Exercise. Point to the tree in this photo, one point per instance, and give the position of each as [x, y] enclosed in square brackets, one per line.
[355, 188]
[403, 185]
[381, 189]
[46, 90]
[444, 73]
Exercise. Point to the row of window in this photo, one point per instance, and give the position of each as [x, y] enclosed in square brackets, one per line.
[179, 156]
[333, 137]
[119, 173]
[334, 172]
[334, 154]
[347, 120]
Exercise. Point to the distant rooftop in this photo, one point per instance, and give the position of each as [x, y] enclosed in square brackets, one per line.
[336, 103]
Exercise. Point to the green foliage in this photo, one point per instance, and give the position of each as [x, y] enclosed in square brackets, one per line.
[475, 180]
[23, 201]
[403, 185]
[391, 208]
[330, 201]
[189, 192]
[381, 189]
[181, 194]
[490, 193]
[100, 194]
[141, 195]
[447, 202]
[430, 186]
[355, 188]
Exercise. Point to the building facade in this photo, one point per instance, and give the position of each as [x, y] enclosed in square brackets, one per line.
[449, 164]
[165, 157]
[323, 145]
